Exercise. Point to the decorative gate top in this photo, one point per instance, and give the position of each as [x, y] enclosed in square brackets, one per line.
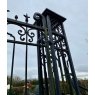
[53, 53]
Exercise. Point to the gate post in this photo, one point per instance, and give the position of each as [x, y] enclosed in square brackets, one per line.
[55, 70]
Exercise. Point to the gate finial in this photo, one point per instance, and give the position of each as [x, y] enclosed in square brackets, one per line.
[26, 17]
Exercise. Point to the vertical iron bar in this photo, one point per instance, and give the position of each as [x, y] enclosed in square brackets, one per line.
[50, 73]
[41, 92]
[71, 64]
[68, 78]
[60, 66]
[46, 80]
[26, 63]
[45, 73]
[57, 82]
[12, 67]
[59, 62]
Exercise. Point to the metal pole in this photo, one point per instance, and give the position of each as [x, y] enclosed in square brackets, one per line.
[50, 72]
[60, 66]
[45, 72]
[57, 82]
[26, 64]
[41, 92]
[12, 64]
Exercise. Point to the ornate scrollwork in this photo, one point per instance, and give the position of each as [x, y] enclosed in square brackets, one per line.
[31, 35]
[11, 35]
[26, 32]
[20, 32]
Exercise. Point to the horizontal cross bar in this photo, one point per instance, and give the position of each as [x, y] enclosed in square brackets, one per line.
[12, 21]
[24, 43]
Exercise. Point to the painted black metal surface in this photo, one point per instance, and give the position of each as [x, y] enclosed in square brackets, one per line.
[52, 50]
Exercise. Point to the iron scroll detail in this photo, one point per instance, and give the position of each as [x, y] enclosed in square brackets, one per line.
[27, 32]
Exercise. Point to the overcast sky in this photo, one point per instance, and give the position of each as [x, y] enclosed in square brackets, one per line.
[76, 27]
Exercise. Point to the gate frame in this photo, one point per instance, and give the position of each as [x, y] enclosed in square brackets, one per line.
[45, 24]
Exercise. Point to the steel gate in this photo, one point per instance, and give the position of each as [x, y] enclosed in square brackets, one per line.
[52, 50]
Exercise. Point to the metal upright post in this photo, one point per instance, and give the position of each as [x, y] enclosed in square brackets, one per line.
[50, 72]
[12, 66]
[40, 76]
[44, 65]
[61, 71]
[26, 64]
[57, 82]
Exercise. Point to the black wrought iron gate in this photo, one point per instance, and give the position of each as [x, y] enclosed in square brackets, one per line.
[53, 53]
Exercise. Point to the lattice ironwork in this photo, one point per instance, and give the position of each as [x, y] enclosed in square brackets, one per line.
[52, 50]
